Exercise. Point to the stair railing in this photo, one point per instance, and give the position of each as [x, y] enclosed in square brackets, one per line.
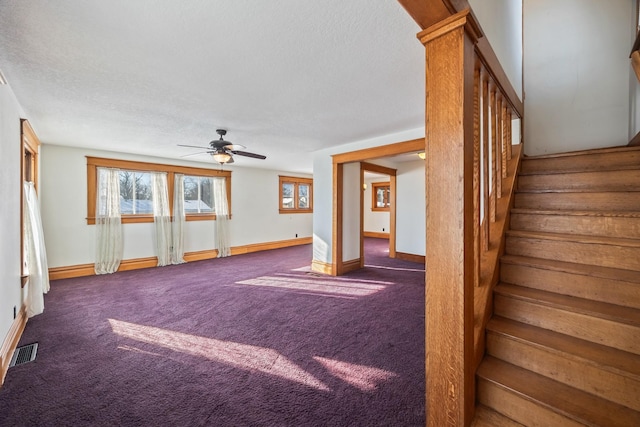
[470, 174]
[496, 161]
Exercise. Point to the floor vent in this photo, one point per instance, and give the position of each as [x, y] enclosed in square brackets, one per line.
[24, 354]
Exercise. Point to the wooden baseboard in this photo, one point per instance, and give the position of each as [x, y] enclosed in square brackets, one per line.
[635, 141]
[410, 257]
[375, 234]
[322, 267]
[82, 270]
[351, 265]
[11, 342]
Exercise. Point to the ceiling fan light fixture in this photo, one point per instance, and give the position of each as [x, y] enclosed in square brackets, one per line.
[221, 156]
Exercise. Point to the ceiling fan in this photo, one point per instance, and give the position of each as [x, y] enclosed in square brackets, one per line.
[222, 151]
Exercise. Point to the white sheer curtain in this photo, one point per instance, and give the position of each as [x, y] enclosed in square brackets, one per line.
[222, 217]
[161, 218]
[35, 255]
[108, 223]
[179, 220]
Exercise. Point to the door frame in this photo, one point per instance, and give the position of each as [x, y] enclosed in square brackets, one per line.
[339, 160]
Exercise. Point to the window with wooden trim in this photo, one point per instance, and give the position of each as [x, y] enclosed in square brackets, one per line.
[296, 194]
[136, 203]
[380, 196]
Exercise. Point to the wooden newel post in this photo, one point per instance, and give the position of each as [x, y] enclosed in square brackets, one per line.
[450, 249]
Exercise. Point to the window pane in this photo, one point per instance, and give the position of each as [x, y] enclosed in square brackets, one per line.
[144, 201]
[380, 197]
[303, 196]
[287, 195]
[191, 197]
[206, 195]
[198, 194]
[127, 192]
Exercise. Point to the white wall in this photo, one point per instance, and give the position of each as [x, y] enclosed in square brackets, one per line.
[501, 21]
[411, 209]
[576, 74]
[351, 212]
[10, 182]
[374, 221]
[254, 200]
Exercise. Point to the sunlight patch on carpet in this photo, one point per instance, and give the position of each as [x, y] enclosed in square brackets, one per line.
[243, 356]
[364, 378]
[331, 287]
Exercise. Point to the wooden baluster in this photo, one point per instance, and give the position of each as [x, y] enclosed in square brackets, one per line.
[496, 125]
[509, 134]
[503, 149]
[494, 162]
[505, 143]
[489, 208]
[477, 236]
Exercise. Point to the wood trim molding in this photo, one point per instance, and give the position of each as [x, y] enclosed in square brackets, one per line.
[351, 265]
[11, 341]
[376, 235]
[411, 257]
[380, 151]
[635, 141]
[83, 270]
[322, 267]
[372, 167]
[428, 12]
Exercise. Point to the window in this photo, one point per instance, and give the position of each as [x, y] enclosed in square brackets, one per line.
[296, 195]
[135, 193]
[198, 195]
[380, 196]
[136, 203]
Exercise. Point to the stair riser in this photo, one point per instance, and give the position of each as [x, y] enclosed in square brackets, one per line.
[594, 329]
[613, 201]
[571, 371]
[578, 252]
[591, 162]
[520, 409]
[586, 225]
[577, 285]
[621, 180]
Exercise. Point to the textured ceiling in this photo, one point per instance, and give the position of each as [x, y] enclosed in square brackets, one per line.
[285, 77]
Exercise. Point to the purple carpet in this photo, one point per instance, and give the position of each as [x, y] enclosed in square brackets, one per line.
[249, 340]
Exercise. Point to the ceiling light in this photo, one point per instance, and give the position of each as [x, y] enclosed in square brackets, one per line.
[422, 155]
[221, 156]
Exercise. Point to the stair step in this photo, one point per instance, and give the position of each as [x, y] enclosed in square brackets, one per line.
[595, 201]
[588, 223]
[534, 400]
[615, 158]
[609, 285]
[485, 417]
[595, 250]
[618, 180]
[598, 322]
[596, 369]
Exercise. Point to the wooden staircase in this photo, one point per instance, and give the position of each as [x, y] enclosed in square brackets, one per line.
[563, 345]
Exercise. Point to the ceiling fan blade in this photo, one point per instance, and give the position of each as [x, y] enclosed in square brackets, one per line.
[199, 152]
[247, 154]
[226, 145]
[194, 146]
[230, 161]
